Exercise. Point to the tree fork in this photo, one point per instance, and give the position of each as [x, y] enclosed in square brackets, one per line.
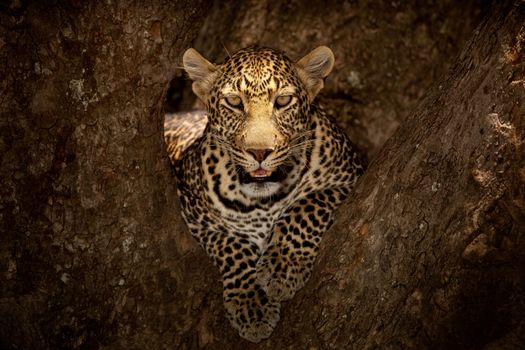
[429, 252]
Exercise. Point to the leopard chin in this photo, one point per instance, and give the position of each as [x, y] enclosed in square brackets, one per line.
[261, 189]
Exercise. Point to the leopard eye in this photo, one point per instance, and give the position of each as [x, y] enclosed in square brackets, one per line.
[234, 101]
[283, 101]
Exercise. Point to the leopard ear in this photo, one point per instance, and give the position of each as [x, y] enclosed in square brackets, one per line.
[201, 71]
[314, 67]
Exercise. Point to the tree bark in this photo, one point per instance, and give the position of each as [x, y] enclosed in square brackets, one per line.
[429, 252]
[89, 250]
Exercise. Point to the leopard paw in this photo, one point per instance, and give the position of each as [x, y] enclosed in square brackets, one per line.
[281, 278]
[283, 286]
[253, 314]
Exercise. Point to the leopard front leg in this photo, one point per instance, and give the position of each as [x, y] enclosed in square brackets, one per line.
[250, 311]
[288, 262]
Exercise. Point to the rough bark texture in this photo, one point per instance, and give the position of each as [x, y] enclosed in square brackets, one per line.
[89, 252]
[428, 254]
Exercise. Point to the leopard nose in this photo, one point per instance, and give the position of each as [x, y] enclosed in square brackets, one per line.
[260, 154]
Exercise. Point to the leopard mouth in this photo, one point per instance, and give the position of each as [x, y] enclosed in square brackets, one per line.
[262, 175]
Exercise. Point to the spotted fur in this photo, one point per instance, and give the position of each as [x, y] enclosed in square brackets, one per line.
[181, 130]
[258, 189]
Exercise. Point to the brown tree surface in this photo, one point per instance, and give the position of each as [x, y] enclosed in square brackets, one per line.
[89, 253]
[429, 253]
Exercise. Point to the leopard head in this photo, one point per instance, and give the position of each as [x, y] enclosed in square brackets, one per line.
[258, 103]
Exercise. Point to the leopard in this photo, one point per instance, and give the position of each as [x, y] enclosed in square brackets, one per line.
[181, 129]
[260, 175]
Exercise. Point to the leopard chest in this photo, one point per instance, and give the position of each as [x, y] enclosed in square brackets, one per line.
[254, 224]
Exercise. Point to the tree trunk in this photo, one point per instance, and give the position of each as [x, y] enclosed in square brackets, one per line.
[89, 250]
[429, 252]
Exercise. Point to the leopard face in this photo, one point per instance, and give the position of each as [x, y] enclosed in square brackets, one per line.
[258, 110]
